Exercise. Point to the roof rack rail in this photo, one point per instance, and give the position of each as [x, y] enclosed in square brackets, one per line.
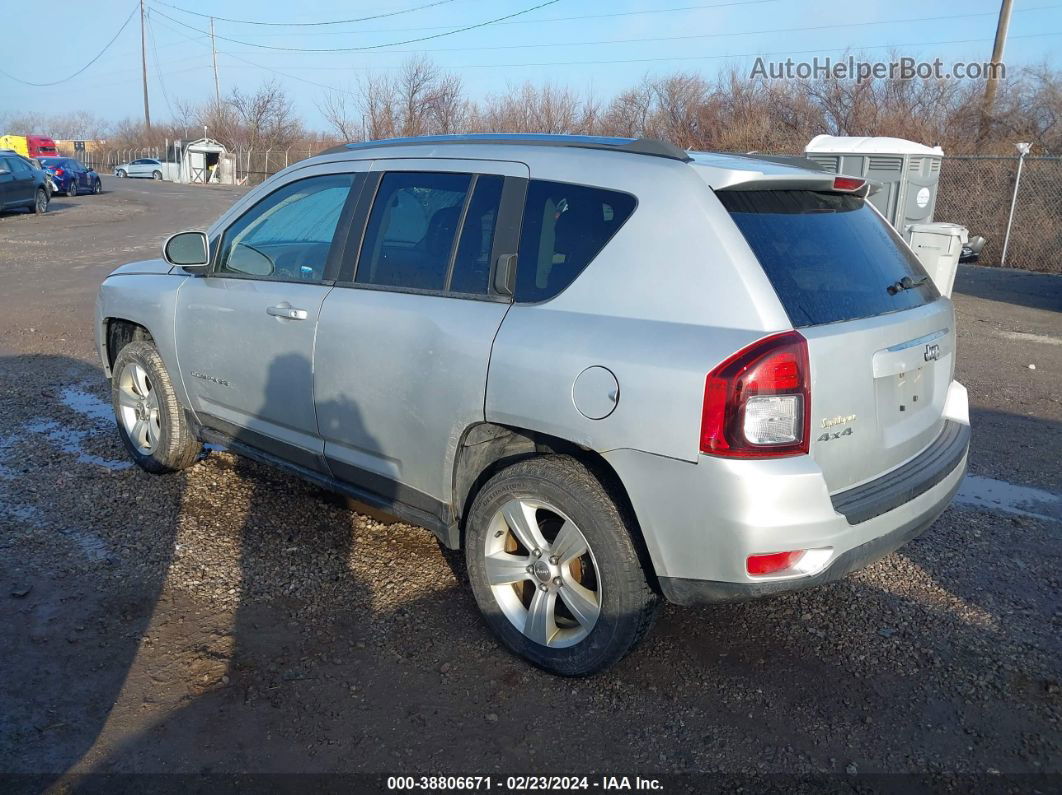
[636, 146]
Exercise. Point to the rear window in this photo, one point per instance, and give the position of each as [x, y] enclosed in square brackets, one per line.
[565, 226]
[829, 256]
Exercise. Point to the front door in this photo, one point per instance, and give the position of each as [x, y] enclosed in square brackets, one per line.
[404, 339]
[245, 333]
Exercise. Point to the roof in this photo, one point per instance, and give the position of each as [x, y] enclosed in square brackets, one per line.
[637, 146]
[845, 144]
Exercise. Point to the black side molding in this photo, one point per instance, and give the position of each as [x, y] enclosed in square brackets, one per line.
[904, 483]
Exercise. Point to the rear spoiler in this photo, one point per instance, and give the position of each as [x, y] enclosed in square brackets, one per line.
[856, 186]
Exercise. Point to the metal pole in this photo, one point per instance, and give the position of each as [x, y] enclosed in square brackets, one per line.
[214, 55]
[1023, 150]
[143, 64]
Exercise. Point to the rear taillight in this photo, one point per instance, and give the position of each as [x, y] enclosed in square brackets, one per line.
[58, 172]
[757, 403]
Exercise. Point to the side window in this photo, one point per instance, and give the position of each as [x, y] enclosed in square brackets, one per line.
[287, 236]
[471, 272]
[5, 165]
[411, 230]
[20, 167]
[564, 228]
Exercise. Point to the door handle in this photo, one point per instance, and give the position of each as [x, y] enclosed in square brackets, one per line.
[287, 311]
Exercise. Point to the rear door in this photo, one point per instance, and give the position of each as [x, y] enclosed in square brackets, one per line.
[405, 337]
[881, 340]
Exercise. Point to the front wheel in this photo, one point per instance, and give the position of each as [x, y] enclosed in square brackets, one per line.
[156, 175]
[554, 567]
[97, 187]
[120, 173]
[151, 422]
[40, 202]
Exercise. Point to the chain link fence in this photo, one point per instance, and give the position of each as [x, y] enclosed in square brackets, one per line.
[977, 192]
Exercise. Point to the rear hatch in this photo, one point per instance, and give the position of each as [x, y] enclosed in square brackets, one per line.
[881, 340]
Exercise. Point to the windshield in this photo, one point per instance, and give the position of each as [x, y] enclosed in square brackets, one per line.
[829, 256]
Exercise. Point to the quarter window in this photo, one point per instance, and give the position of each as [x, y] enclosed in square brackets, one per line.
[564, 228]
[288, 235]
[410, 235]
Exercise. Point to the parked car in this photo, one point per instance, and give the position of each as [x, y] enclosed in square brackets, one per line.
[147, 167]
[71, 176]
[29, 145]
[608, 369]
[22, 185]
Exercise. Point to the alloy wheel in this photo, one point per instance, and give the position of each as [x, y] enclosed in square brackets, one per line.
[138, 408]
[542, 573]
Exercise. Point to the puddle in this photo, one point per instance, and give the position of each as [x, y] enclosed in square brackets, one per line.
[88, 405]
[71, 440]
[1000, 496]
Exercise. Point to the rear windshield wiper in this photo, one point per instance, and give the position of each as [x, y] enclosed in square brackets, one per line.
[906, 283]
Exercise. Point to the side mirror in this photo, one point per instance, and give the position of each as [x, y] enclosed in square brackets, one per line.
[188, 250]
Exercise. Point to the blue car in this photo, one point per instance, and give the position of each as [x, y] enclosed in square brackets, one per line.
[70, 176]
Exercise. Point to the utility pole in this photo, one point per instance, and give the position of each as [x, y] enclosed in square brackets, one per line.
[143, 64]
[214, 55]
[989, 101]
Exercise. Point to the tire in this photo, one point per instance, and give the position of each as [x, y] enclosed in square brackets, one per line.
[120, 173]
[40, 202]
[156, 175]
[71, 191]
[97, 187]
[141, 390]
[616, 604]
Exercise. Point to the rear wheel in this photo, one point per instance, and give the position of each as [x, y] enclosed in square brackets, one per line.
[156, 175]
[71, 189]
[40, 202]
[554, 567]
[120, 173]
[151, 422]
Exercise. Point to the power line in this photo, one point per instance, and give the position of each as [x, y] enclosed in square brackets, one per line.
[99, 55]
[158, 66]
[309, 24]
[727, 35]
[372, 46]
[749, 54]
[698, 7]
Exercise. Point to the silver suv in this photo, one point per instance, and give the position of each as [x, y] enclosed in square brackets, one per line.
[608, 369]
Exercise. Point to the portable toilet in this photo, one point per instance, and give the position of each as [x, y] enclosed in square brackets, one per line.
[908, 173]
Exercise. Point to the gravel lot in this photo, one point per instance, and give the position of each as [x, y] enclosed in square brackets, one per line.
[230, 619]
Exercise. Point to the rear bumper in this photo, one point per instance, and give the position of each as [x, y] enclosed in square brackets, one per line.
[701, 521]
[688, 592]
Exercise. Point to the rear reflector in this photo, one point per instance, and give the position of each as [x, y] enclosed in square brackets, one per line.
[848, 184]
[774, 562]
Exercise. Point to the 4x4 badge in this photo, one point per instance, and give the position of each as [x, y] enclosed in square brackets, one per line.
[932, 353]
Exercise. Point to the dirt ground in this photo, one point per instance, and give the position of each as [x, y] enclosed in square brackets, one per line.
[232, 620]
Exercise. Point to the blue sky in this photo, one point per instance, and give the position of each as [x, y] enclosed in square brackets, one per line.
[594, 51]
